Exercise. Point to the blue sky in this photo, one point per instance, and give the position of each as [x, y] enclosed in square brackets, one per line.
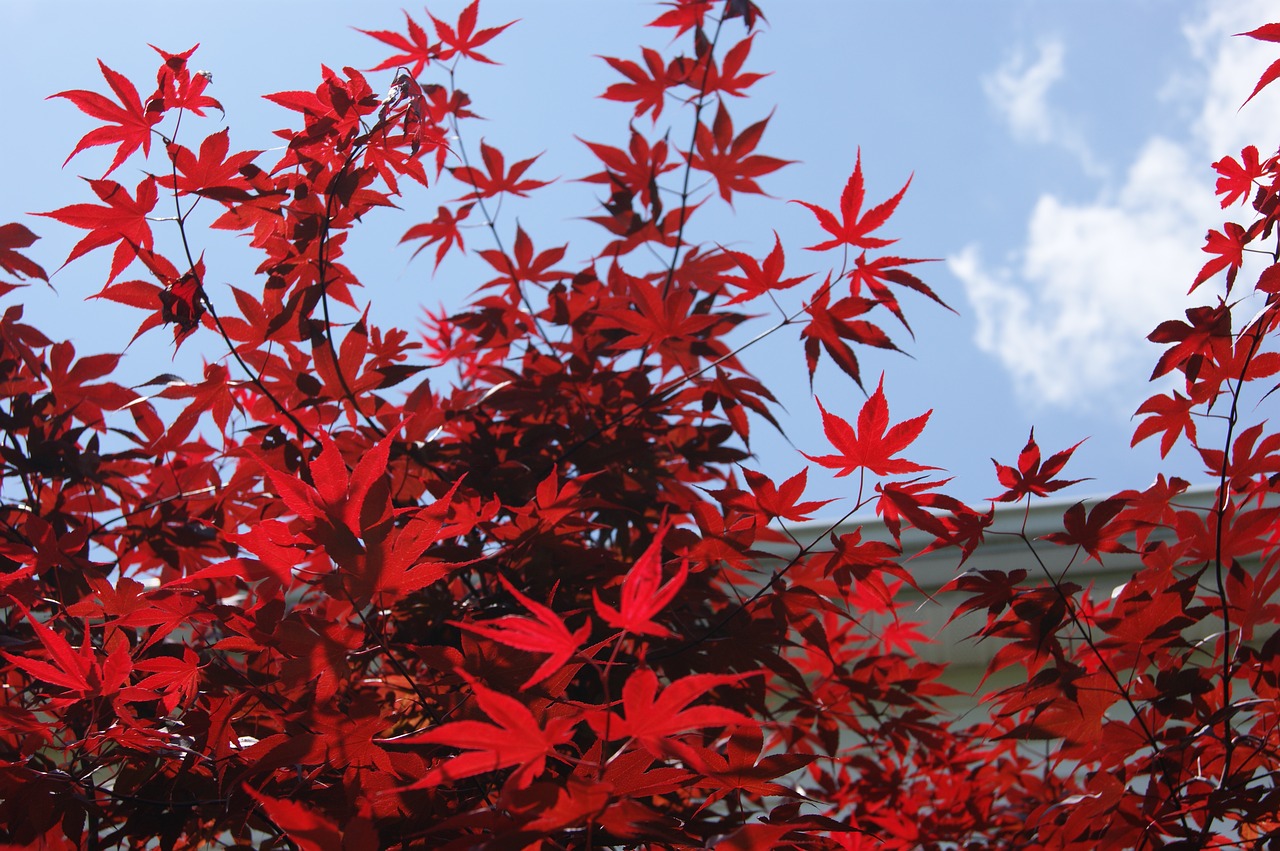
[1060, 154]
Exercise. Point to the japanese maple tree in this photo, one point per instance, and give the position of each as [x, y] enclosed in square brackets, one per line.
[513, 580]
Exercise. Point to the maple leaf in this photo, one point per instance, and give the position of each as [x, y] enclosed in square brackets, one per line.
[178, 88]
[463, 40]
[1236, 180]
[182, 301]
[744, 768]
[665, 323]
[129, 123]
[728, 158]
[874, 275]
[783, 500]
[176, 679]
[1030, 476]
[545, 633]
[1206, 328]
[417, 51]
[705, 76]
[1168, 414]
[71, 670]
[744, 9]
[522, 265]
[498, 179]
[653, 719]
[644, 594]
[83, 674]
[1097, 532]
[211, 173]
[683, 16]
[309, 829]
[760, 278]
[854, 226]
[1266, 32]
[649, 90]
[341, 505]
[874, 443]
[123, 221]
[12, 237]
[1229, 249]
[635, 170]
[515, 738]
[830, 325]
[442, 229]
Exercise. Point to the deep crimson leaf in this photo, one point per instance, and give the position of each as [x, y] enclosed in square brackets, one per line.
[729, 158]
[310, 830]
[1031, 476]
[648, 86]
[873, 445]
[442, 229]
[12, 237]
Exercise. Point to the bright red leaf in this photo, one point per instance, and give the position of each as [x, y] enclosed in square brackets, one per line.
[873, 445]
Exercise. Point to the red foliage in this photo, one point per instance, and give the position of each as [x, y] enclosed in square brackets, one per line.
[330, 604]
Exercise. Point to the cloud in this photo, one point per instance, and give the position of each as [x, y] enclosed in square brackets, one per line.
[1068, 313]
[1019, 92]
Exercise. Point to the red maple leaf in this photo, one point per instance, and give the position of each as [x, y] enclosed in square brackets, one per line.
[1097, 532]
[704, 76]
[309, 829]
[515, 738]
[1168, 414]
[760, 278]
[417, 51]
[829, 326]
[1236, 179]
[876, 274]
[498, 179]
[123, 220]
[463, 39]
[129, 124]
[1030, 476]
[544, 633]
[178, 88]
[1266, 32]
[728, 158]
[442, 229]
[652, 719]
[211, 173]
[1228, 246]
[683, 16]
[782, 500]
[874, 443]
[853, 226]
[522, 265]
[644, 594]
[636, 170]
[648, 90]
[12, 237]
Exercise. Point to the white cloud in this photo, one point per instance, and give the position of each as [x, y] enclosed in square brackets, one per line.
[1067, 316]
[1019, 91]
